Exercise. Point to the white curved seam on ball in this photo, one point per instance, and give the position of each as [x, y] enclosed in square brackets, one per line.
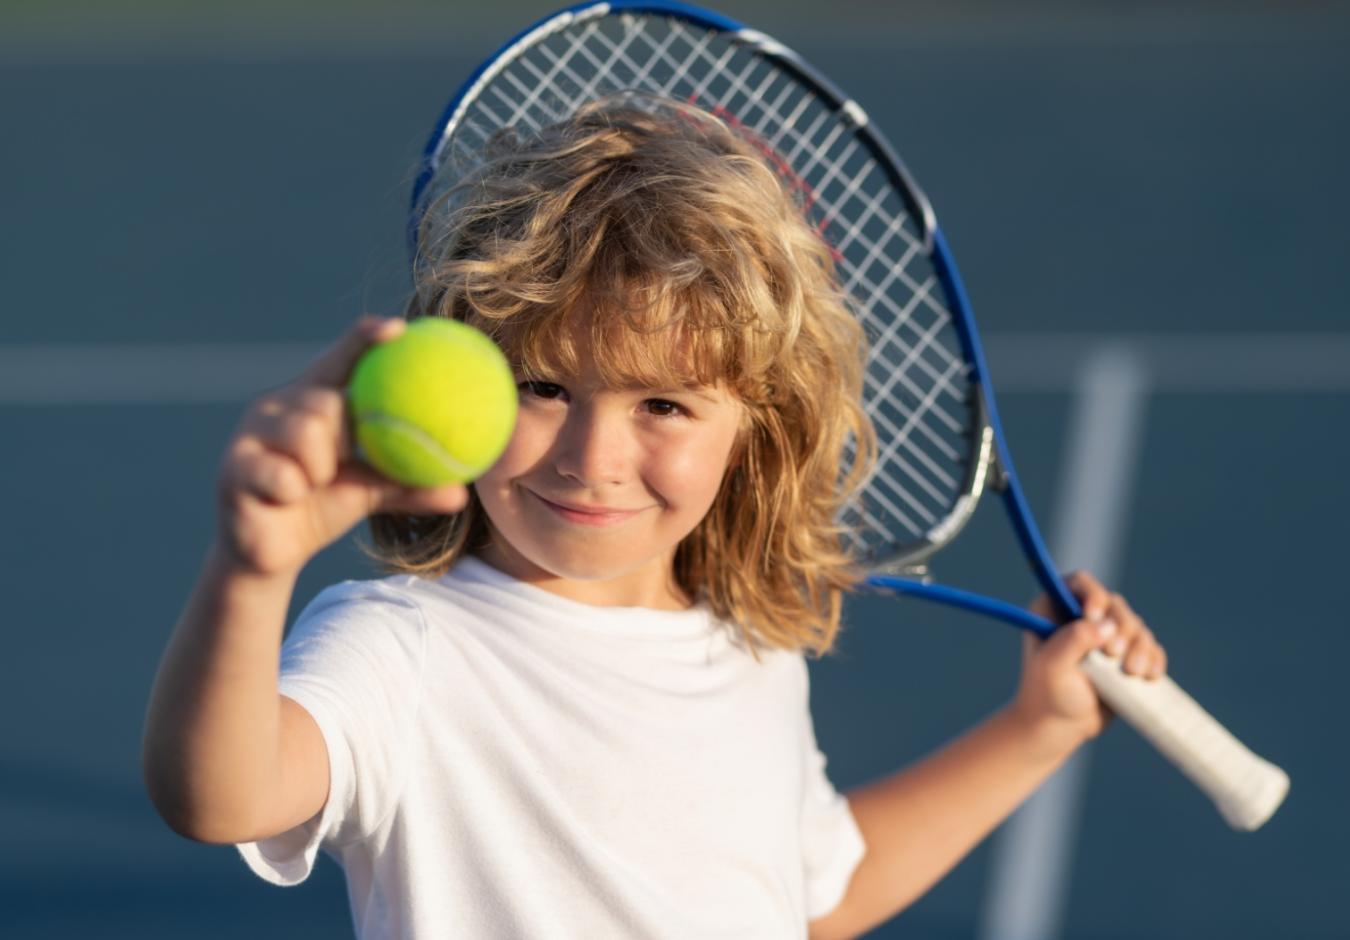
[433, 446]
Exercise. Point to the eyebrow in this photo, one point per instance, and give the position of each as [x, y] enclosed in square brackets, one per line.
[694, 391]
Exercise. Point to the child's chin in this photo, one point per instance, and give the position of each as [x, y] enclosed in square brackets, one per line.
[592, 569]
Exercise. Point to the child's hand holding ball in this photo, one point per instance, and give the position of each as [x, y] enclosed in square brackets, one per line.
[431, 405]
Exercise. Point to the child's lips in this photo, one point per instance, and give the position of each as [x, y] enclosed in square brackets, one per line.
[587, 515]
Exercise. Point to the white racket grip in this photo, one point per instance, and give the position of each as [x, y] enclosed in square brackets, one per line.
[1246, 788]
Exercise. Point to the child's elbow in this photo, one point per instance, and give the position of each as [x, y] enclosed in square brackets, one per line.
[169, 797]
[202, 828]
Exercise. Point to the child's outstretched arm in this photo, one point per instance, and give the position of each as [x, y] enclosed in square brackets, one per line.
[225, 758]
[921, 821]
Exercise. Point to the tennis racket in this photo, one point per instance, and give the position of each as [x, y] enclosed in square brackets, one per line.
[940, 444]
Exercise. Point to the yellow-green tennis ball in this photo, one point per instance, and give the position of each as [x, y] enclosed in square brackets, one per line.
[435, 405]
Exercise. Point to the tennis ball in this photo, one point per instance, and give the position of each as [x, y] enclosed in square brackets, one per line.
[435, 405]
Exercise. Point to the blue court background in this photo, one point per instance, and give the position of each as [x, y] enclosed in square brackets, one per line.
[229, 177]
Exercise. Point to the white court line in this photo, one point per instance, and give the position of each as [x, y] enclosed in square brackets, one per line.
[1030, 874]
[220, 373]
[1212, 363]
[152, 374]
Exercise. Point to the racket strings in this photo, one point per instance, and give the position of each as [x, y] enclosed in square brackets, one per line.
[917, 389]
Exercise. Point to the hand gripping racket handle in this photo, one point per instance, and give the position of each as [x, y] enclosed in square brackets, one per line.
[1246, 788]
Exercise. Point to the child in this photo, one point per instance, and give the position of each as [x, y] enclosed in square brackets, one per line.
[577, 705]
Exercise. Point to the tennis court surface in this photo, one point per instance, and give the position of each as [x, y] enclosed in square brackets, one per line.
[1149, 213]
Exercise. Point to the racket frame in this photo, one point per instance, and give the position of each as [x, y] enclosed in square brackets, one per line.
[907, 564]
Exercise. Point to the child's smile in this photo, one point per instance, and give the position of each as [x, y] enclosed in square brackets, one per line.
[584, 514]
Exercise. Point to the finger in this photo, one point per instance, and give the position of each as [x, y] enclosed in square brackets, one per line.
[1159, 662]
[332, 367]
[1041, 606]
[254, 470]
[1131, 626]
[1082, 579]
[1092, 595]
[311, 441]
[308, 429]
[1146, 657]
[1139, 656]
[1119, 601]
[1070, 643]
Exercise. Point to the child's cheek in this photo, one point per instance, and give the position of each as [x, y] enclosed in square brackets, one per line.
[530, 441]
[689, 475]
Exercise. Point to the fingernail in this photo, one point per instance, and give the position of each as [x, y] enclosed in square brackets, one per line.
[1116, 646]
[1106, 627]
[1137, 664]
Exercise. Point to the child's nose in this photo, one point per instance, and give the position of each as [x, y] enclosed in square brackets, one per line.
[595, 447]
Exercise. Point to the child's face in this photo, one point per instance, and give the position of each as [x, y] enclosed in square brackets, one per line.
[598, 487]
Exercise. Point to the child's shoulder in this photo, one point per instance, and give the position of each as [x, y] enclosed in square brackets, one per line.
[393, 589]
[355, 605]
[394, 597]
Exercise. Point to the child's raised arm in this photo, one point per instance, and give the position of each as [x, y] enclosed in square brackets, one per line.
[224, 756]
[922, 820]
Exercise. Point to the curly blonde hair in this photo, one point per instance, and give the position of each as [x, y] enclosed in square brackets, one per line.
[678, 235]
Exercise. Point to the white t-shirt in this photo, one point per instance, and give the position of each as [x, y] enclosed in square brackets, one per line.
[507, 763]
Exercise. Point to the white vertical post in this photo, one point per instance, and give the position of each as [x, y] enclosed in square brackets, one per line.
[1032, 853]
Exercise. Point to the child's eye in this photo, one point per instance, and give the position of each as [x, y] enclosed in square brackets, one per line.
[546, 390]
[663, 408]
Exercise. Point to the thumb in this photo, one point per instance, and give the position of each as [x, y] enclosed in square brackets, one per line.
[360, 491]
[332, 367]
[1070, 643]
[384, 495]
[442, 500]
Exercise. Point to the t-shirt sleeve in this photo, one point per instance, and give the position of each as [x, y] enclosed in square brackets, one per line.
[353, 660]
[832, 843]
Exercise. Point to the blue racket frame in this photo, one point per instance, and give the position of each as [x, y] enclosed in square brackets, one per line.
[1014, 500]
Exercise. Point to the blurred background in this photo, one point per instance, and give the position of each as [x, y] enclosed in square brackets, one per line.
[1149, 205]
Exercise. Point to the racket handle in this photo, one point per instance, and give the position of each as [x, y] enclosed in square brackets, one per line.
[1246, 788]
